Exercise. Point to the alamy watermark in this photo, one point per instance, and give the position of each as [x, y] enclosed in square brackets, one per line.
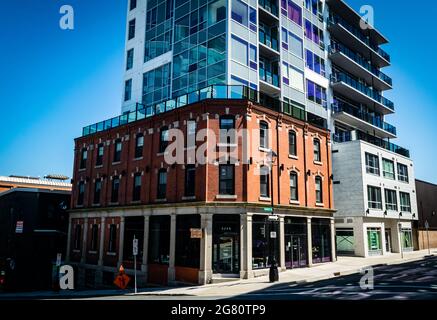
[66, 21]
[367, 20]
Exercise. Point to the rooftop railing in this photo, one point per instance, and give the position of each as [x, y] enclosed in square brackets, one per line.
[236, 92]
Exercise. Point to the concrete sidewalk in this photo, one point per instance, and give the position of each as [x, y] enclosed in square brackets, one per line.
[344, 266]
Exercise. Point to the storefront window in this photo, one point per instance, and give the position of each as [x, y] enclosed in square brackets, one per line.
[262, 242]
[226, 244]
[321, 236]
[134, 227]
[187, 249]
[159, 240]
[296, 242]
[374, 240]
[407, 239]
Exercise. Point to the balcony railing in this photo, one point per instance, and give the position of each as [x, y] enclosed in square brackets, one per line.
[268, 40]
[269, 6]
[338, 47]
[211, 92]
[269, 77]
[342, 77]
[359, 135]
[334, 19]
[341, 106]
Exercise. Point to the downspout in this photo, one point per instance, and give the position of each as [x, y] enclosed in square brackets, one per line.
[279, 165]
[329, 173]
[305, 164]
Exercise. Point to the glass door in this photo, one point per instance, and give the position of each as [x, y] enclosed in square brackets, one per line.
[388, 240]
[226, 245]
[295, 251]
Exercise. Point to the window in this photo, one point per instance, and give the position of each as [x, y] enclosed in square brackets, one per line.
[264, 135]
[388, 168]
[100, 152]
[131, 34]
[133, 4]
[405, 201]
[314, 6]
[83, 158]
[374, 239]
[240, 12]
[187, 249]
[163, 140]
[262, 243]
[136, 195]
[317, 153]
[294, 195]
[162, 184]
[139, 146]
[391, 201]
[128, 90]
[316, 93]
[112, 243]
[115, 189]
[372, 164]
[313, 33]
[94, 237]
[226, 179]
[130, 59]
[77, 237]
[295, 45]
[319, 190]
[156, 85]
[264, 181]
[315, 63]
[97, 191]
[191, 133]
[117, 151]
[226, 123]
[293, 12]
[292, 146]
[190, 181]
[253, 57]
[321, 240]
[159, 240]
[293, 77]
[374, 197]
[403, 173]
[239, 50]
[81, 193]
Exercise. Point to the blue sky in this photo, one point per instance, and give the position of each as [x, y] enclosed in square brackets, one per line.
[54, 82]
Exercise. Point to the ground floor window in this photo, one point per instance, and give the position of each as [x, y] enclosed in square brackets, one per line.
[187, 248]
[407, 239]
[296, 242]
[374, 240]
[321, 236]
[133, 228]
[226, 244]
[345, 241]
[159, 240]
[265, 242]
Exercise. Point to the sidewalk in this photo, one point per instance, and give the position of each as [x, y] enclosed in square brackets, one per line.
[344, 266]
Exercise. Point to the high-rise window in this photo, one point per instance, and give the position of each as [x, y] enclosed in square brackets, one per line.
[162, 184]
[128, 90]
[391, 201]
[240, 12]
[315, 63]
[226, 179]
[292, 145]
[163, 139]
[319, 190]
[190, 181]
[405, 201]
[388, 168]
[264, 135]
[156, 86]
[264, 181]
[83, 158]
[403, 173]
[115, 189]
[112, 243]
[117, 151]
[131, 34]
[80, 193]
[139, 146]
[240, 50]
[316, 93]
[294, 195]
[97, 191]
[292, 11]
[317, 153]
[372, 164]
[130, 59]
[100, 152]
[374, 197]
[132, 4]
[136, 195]
[313, 33]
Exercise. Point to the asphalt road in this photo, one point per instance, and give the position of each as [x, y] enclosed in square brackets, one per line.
[410, 281]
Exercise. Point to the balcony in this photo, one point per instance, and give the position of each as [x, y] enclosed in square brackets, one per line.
[220, 92]
[269, 82]
[269, 6]
[365, 121]
[358, 135]
[270, 44]
[351, 88]
[342, 56]
[346, 33]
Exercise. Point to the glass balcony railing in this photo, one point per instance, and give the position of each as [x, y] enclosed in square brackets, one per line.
[359, 135]
[341, 106]
[268, 40]
[371, 93]
[211, 92]
[338, 47]
[269, 77]
[269, 6]
[334, 19]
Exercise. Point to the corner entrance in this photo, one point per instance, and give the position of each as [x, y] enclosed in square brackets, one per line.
[226, 244]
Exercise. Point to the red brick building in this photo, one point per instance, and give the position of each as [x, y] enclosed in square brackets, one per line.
[124, 187]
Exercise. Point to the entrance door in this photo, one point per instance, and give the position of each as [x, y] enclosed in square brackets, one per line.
[226, 244]
[388, 240]
[295, 251]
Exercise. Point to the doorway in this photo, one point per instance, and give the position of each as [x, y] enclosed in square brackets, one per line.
[388, 247]
[226, 244]
[295, 251]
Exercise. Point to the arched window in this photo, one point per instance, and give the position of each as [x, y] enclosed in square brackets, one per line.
[292, 146]
[317, 154]
[264, 135]
[264, 182]
[294, 190]
[319, 190]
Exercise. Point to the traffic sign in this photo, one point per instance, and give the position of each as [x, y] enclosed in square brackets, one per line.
[135, 247]
[122, 280]
[20, 227]
[270, 209]
[196, 233]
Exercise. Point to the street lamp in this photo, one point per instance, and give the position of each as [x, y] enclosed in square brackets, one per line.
[274, 273]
